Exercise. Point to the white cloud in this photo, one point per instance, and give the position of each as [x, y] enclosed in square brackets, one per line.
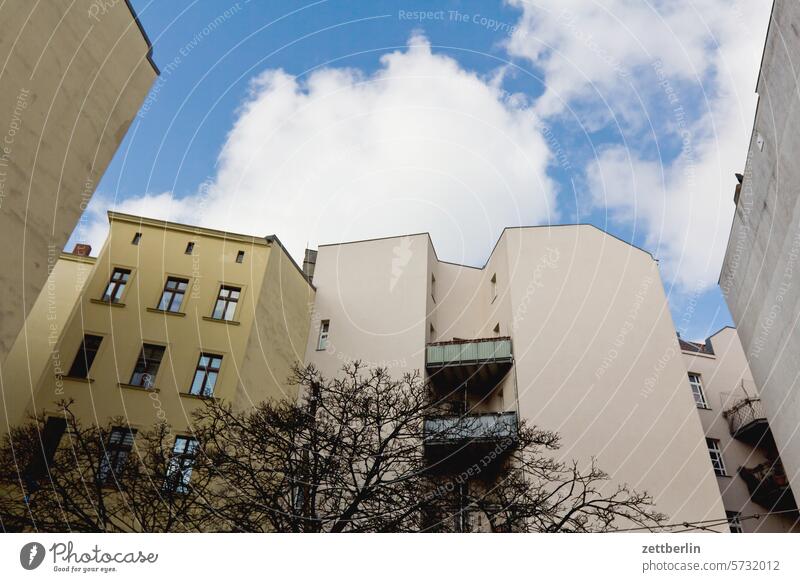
[663, 71]
[421, 144]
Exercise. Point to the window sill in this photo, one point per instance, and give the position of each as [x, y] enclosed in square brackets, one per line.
[109, 303]
[703, 408]
[86, 380]
[724, 476]
[135, 387]
[165, 312]
[198, 396]
[225, 321]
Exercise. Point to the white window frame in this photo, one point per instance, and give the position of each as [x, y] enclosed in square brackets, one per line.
[324, 334]
[698, 393]
[734, 521]
[717, 461]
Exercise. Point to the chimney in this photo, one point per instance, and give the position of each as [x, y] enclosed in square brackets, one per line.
[82, 250]
[309, 263]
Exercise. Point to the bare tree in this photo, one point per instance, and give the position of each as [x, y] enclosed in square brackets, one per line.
[362, 452]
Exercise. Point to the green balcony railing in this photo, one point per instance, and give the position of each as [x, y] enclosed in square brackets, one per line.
[471, 428]
[466, 352]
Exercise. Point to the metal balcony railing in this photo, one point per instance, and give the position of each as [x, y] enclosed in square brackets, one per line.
[471, 428]
[769, 486]
[469, 352]
[747, 420]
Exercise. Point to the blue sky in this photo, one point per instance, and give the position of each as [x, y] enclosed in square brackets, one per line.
[336, 120]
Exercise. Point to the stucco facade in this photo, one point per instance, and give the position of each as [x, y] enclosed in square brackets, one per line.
[74, 76]
[760, 274]
[258, 330]
[732, 415]
[595, 356]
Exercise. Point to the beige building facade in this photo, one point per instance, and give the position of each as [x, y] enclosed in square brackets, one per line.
[74, 76]
[165, 316]
[755, 492]
[565, 327]
[760, 273]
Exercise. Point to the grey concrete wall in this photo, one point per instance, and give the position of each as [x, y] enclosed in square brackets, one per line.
[761, 273]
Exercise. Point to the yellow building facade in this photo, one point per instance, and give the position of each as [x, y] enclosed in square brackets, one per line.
[165, 316]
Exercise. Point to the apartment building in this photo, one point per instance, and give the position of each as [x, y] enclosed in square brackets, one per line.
[760, 273]
[74, 75]
[166, 315]
[753, 485]
[566, 327]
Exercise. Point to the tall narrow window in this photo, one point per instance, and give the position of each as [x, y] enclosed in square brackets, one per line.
[205, 375]
[493, 288]
[179, 470]
[225, 307]
[50, 434]
[172, 296]
[118, 449]
[734, 521]
[433, 287]
[715, 452]
[324, 332]
[136, 238]
[85, 356]
[144, 374]
[116, 285]
[240, 257]
[189, 248]
[697, 390]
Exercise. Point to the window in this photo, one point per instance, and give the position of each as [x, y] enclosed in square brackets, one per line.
[85, 356]
[116, 286]
[716, 457]
[179, 470]
[493, 288]
[39, 467]
[206, 374]
[189, 248]
[119, 447]
[324, 332]
[225, 307]
[240, 257]
[172, 296]
[433, 287]
[697, 390]
[144, 374]
[734, 521]
[136, 238]
[496, 330]
[432, 333]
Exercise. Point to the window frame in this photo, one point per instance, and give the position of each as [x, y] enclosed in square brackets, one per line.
[116, 454]
[206, 371]
[734, 521]
[697, 390]
[181, 463]
[137, 238]
[717, 460]
[240, 256]
[174, 293]
[82, 352]
[119, 287]
[324, 335]
[227, 301]
[189, 250]
[145, 373]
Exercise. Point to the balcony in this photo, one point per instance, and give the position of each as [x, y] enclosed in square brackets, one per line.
[481, 362]
[471, 429]
[769, 486]
[747, 422]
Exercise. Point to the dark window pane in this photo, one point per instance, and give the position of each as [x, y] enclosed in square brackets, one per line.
[144, 374]
[85, 356]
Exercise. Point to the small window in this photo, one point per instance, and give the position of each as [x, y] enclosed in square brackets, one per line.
[144, 374]
[136, 238]
[433, 287]
[85, 356]
[205, 375]
[179, 470]
[734, 521]
[225, 307]
[496, 330]
[116, 286]
[324, 332]
[118, 449]
[172, 296]
[240, 257]
[50, 435]
[715, 452]
[493, 288]
[697, 390]
[189, 248]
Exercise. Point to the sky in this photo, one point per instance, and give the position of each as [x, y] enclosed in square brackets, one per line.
[338, 120]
